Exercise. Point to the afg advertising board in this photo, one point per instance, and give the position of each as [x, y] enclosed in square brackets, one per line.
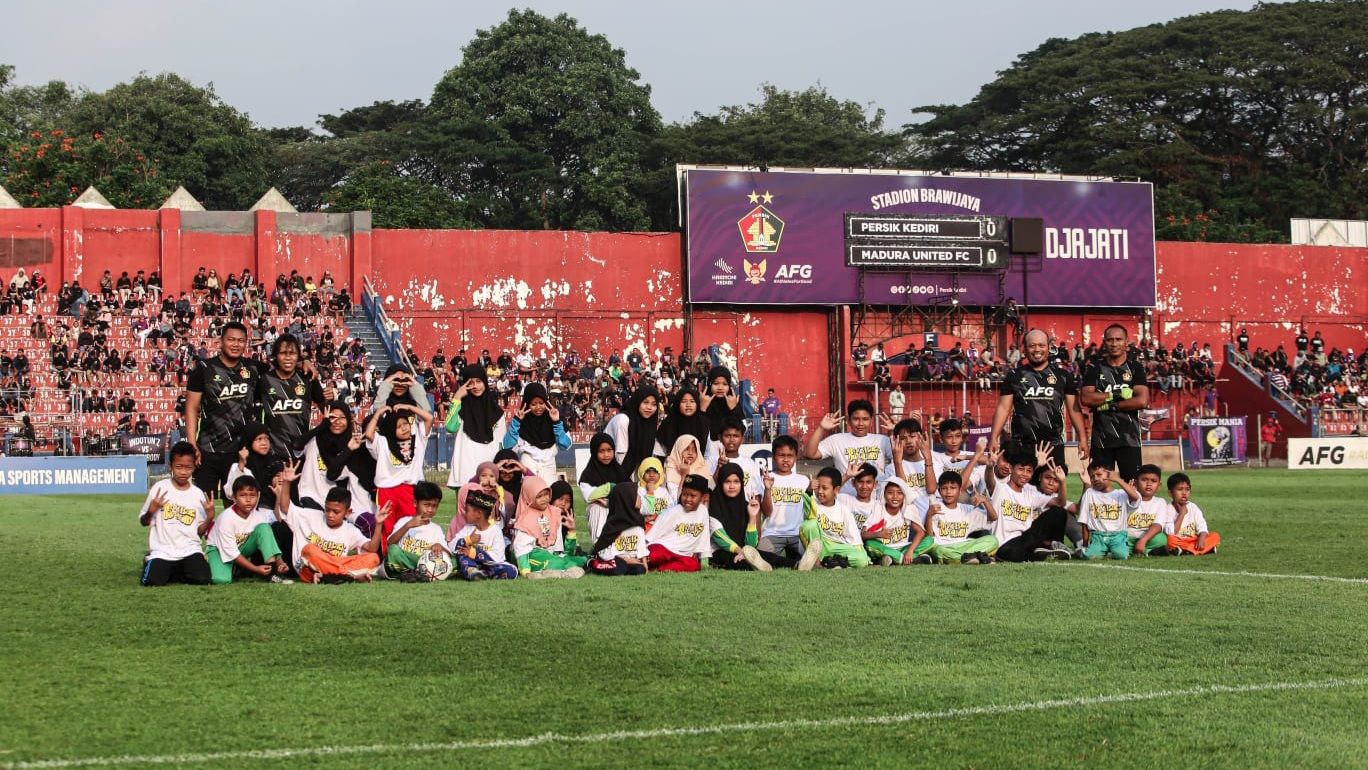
[113, 475]
[1342, 453]
[780, 237]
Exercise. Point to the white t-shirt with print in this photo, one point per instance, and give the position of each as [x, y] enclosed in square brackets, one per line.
[953, 525]
[682, 532]
[845, 450]
[418, 540]
[1105, 511]
[173, 532]
[491, 539]
[838, 523]
[895, 530]
[753, 484]
[631, 542]
[230, 530]
[787, 496]
[390, 471]
[1193, 524]
[310, 525]
[1145, 513]
[914, 473]
[1016, 510]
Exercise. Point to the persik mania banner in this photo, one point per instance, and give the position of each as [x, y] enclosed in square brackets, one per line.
[1216, 441]
[778, 238]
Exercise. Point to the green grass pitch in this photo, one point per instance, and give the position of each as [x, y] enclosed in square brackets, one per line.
[1004, 666]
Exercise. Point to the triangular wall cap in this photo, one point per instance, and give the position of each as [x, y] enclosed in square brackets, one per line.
[183, 200]
[7, 201]
[273, 201]
[92, 199]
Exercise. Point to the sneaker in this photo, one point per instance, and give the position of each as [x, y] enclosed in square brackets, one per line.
[333, 580]
[574, 573]
[885, 561]
[281, 579]
[1052, 553]
[987, 558]
[754, 559]
[537, 575]
[410, 576]
[810, 559]
[1214, 549]
[925, 558]
[970, 558]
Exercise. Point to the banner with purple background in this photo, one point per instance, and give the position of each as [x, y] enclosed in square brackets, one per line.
[778, 238]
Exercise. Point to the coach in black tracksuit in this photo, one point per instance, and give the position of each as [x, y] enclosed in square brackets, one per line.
[1037, 395]
[1113, 386]
[219, 397]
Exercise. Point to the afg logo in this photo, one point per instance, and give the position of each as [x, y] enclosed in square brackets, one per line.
[761, 230]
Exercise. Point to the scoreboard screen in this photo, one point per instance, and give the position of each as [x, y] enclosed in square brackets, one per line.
[925, 242]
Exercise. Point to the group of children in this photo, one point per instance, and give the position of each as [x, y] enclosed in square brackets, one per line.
[891, 500]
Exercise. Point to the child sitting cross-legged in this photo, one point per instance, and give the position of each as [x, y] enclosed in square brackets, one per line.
[621, 545]
[829, 530]
[1103, 512]
[327, 548]
[894, 534]
[415, 535]
[1186, 527]
[952, 524]
[479, 547]
[1145, 524]
[680, 535]
[538, 542]
[243, 532]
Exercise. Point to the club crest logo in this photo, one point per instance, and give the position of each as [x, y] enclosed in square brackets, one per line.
[299, 389]
[1050, 380]
[1126, 376]
[761, 230]
[755, 271]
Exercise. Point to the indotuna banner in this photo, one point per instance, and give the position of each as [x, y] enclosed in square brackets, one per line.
[779, 237]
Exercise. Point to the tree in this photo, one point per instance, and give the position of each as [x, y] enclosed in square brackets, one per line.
[50, 168]
[25, 109]
[396, 200]
[1245, 118]
[808, 128]
[543, 125]
[198, 140]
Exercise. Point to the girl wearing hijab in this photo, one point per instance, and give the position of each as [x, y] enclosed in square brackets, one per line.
[563, 497]
[620, 548]
[734, 519]
[486, 480]
[331, 460]
[537, 433]
[634, 429]
[685, 419]
[537, 543]
[255, 460]
[476, 421]
[397, 438]
[597, 480]
[654, 496]
[686, 459]
[720, 401]
[510, 481]
[893, 534]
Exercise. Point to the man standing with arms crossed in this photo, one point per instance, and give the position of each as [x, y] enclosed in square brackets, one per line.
[219, 396]
[1037, 395]
[1113, 386]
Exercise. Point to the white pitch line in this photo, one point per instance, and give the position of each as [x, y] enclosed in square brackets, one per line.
[1269, 575]
[670, 732]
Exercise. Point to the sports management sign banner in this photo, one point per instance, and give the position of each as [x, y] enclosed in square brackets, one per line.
[779, 237]
[110, 475]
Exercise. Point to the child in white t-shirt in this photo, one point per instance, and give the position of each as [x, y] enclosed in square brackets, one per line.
[829, 529]
[893, 534]
[397, 438]
[327, 547]
[244, 532]
[680, 538]
[950, 523]
[862, 504]
[620, 548]
[1030, 522]
[784, 504]
[959, 459]
[480, 547]
[415, 535]
[1145, 524]
[733, 435]
[913, 461]
[862, 443]
[1103, 512]
[1186, 528]
[177, 514]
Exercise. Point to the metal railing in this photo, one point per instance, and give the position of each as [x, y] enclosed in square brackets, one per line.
[1260, 378]
[385, 329]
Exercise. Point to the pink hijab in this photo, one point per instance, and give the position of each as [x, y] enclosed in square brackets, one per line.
[529, 519]
[458, 521]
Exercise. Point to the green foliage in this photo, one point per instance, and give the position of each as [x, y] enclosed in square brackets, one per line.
[396, 200]
[292, 665]
[198, 140]
[543, 125]
[50, 169]
[25, 109]
[1259, 116]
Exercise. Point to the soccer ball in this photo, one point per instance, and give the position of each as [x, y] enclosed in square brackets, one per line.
[436, 566]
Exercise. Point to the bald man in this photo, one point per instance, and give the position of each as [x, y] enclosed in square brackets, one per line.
[1037, 396]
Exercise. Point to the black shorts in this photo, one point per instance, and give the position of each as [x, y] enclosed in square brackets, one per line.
[1056, 451]
[1125, 459]
[212, 471]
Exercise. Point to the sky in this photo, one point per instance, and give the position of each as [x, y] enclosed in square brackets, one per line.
[284, 63]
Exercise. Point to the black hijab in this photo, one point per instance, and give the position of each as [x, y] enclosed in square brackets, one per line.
[596, 474]
[641, 432]
[539, 431]
[514, 485]
[622, 515]
[263, 467]
[332, 447]
[718, 411]
[479, 414]
[403, 449]
[732, 512]
[677, 424]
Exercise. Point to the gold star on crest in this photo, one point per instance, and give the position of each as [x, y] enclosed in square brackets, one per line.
[753, 198]
[767, 197]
